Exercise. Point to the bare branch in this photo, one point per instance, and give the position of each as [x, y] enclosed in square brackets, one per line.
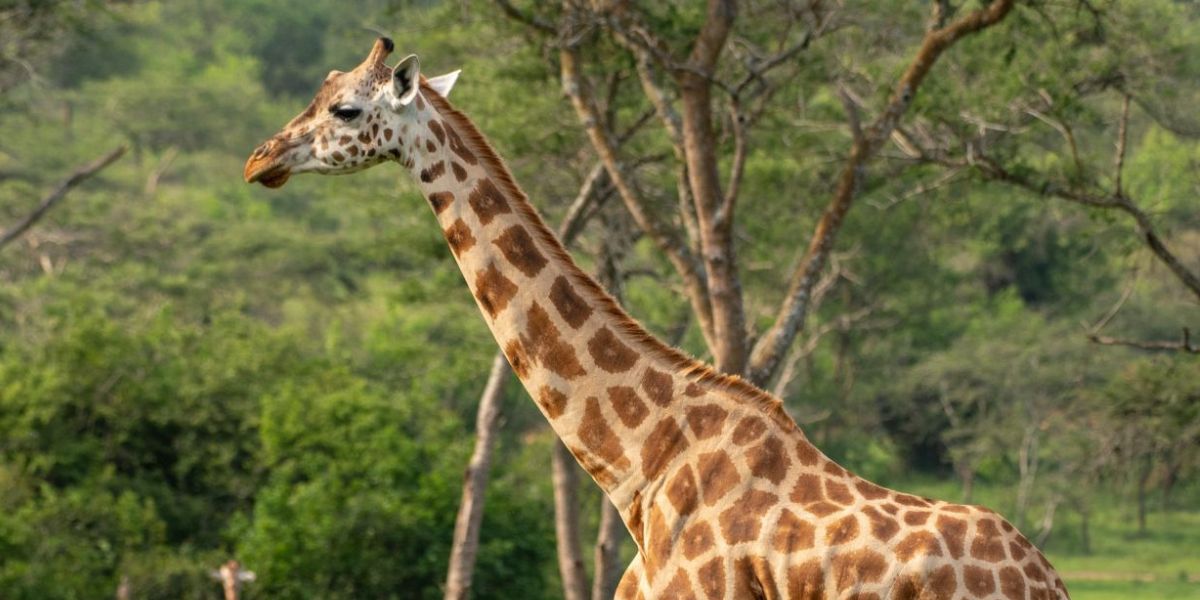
[532, 21]
[772, 346]
[1184, 344]
[1122, 134]
[74, 179]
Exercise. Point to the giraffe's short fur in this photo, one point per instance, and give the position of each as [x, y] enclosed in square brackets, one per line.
[722, 492]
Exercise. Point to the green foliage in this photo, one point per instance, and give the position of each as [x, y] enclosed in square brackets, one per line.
[193, 369]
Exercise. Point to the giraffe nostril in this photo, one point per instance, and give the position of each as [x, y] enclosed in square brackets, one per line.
[263, 149]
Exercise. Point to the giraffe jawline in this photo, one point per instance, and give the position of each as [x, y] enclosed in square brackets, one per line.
[272, 177]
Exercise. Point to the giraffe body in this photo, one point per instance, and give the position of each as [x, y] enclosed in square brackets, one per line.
[721, 491]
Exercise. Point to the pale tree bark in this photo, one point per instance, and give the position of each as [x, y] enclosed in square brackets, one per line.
[608, 567]
[470, 510]
[465, 546]
[714, 214]
[48, 202]
[566, 523]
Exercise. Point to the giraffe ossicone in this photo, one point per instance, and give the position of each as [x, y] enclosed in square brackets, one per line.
[722, 492]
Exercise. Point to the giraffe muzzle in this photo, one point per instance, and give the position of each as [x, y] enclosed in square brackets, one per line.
[264, 167]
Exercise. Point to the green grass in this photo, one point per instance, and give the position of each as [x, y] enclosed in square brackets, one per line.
[1162, 564]
[1133, 590]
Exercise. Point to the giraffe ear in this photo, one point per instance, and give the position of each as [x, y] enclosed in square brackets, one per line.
[442, 84]
[404, 80]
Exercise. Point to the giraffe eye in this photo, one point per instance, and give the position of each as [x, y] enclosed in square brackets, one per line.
[345, 113]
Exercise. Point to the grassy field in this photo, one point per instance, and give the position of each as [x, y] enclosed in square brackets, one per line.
[1162, 564]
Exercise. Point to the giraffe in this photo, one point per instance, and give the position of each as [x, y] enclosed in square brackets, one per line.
[719, 488]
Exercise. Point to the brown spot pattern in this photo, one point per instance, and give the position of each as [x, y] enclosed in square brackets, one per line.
[682, 491]
[918, 543]
[552, 401]
[988, 544]
[571, 306]
[869, 490]
[978, 580]
[806, 581]
[663, 444]
[597, 437]
[437, 130]
[916, 518]
[544, 345]
[717, 475]
[706, 421]
[768, 460]
[658, 386]
[610, 353]
[742, 521]
[487, 201]
[909, 500]
[518, 247]
[807, 454]
[838, 493]
[697, 539]
[857, 567]
[883, 527]
[793, 534]
[440, 200]
[1012, 585]
[712, 578]
[493, 290]
[679, 588]
[459, 236]
[953, 533]
[628, 406]
[807, 489]
[516, 358]
[460, 174]
[693, 391]
[459, 148]
[433, 171]
[942, 582]
[841, 531]
[748, 430]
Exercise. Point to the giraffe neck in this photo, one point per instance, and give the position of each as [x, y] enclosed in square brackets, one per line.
[623, 403]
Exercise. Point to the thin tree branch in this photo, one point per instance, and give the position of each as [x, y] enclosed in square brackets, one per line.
[772, 347]
[532, 21]
[1122, 134]
[78, 176]
[668, 243]
[1183, 345]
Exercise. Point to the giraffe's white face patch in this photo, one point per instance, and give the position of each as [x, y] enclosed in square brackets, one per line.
[355, 121]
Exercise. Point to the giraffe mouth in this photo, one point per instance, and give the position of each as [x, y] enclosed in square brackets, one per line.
[271, 176]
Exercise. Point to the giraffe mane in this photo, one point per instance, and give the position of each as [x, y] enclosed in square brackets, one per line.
[691, 368]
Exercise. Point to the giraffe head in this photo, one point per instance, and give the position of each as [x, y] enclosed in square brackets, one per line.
[354, 122]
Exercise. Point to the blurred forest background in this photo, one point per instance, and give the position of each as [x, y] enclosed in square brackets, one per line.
[193, 369]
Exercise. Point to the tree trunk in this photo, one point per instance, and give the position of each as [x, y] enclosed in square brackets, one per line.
[566, 523]
[1085, 534]
[608, 569]
[470, 512]
[966, 474]
[1143, 481]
